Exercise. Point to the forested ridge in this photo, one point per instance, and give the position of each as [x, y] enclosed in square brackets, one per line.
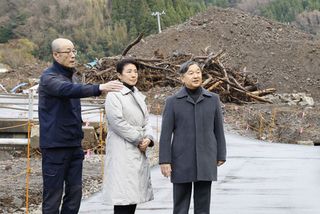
[104, 27]
[98, 27]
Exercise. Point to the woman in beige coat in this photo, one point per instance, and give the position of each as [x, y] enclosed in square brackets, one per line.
[127, 173]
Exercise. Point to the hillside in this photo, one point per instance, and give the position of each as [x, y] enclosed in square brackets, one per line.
[104, 27]
[282, 56]
[98, 27]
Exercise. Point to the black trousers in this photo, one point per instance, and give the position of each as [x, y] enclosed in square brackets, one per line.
[201, 197]
[124, 209]
[62, 170]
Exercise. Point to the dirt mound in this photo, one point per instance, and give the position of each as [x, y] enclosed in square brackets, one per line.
[280, 55]
[23, 74]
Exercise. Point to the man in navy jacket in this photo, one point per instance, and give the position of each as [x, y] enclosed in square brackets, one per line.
[61, 128]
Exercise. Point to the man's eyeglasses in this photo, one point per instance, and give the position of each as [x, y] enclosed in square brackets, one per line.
[69, 52]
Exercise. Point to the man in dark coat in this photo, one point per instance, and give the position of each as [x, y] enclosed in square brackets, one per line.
[192, 141]
[61, 129]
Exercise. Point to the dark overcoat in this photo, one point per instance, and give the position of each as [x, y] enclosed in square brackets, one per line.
[192, 137]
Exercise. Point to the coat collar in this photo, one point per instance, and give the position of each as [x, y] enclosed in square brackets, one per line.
[126, 90]
[138, 97]
[68, 72]
[183, 93]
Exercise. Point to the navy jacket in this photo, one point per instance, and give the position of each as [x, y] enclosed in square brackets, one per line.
[59, 107]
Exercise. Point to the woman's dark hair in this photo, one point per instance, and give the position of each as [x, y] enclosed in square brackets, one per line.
[185, 66]
[120, 65]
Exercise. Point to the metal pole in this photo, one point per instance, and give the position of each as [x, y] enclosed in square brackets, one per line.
[158, 14]
[30, 117]
[159, 25]
[30, 105]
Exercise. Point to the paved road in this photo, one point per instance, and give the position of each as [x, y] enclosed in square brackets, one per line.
[258, 178]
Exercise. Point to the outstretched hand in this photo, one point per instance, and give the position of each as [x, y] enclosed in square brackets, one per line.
[111, 86]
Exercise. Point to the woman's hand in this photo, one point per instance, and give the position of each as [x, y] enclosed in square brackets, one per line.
[143, 145]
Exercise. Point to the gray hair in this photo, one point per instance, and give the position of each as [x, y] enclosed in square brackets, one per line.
[56, 44]
[184, 67]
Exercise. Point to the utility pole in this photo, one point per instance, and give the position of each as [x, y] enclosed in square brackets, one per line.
[158, 14]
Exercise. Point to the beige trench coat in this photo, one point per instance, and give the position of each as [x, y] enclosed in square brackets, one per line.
[127, 172]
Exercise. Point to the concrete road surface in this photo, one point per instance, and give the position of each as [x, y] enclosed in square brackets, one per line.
[258, 178]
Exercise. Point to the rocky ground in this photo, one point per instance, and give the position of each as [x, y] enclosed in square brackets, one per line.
[13, 179]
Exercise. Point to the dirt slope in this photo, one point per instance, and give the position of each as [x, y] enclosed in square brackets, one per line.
[282, 56]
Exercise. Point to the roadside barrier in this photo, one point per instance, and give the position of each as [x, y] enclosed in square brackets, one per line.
[281, 123]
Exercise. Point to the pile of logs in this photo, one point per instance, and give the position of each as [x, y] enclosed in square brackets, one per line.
[232, 85]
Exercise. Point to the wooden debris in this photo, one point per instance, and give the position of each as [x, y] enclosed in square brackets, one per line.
[232, 85]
